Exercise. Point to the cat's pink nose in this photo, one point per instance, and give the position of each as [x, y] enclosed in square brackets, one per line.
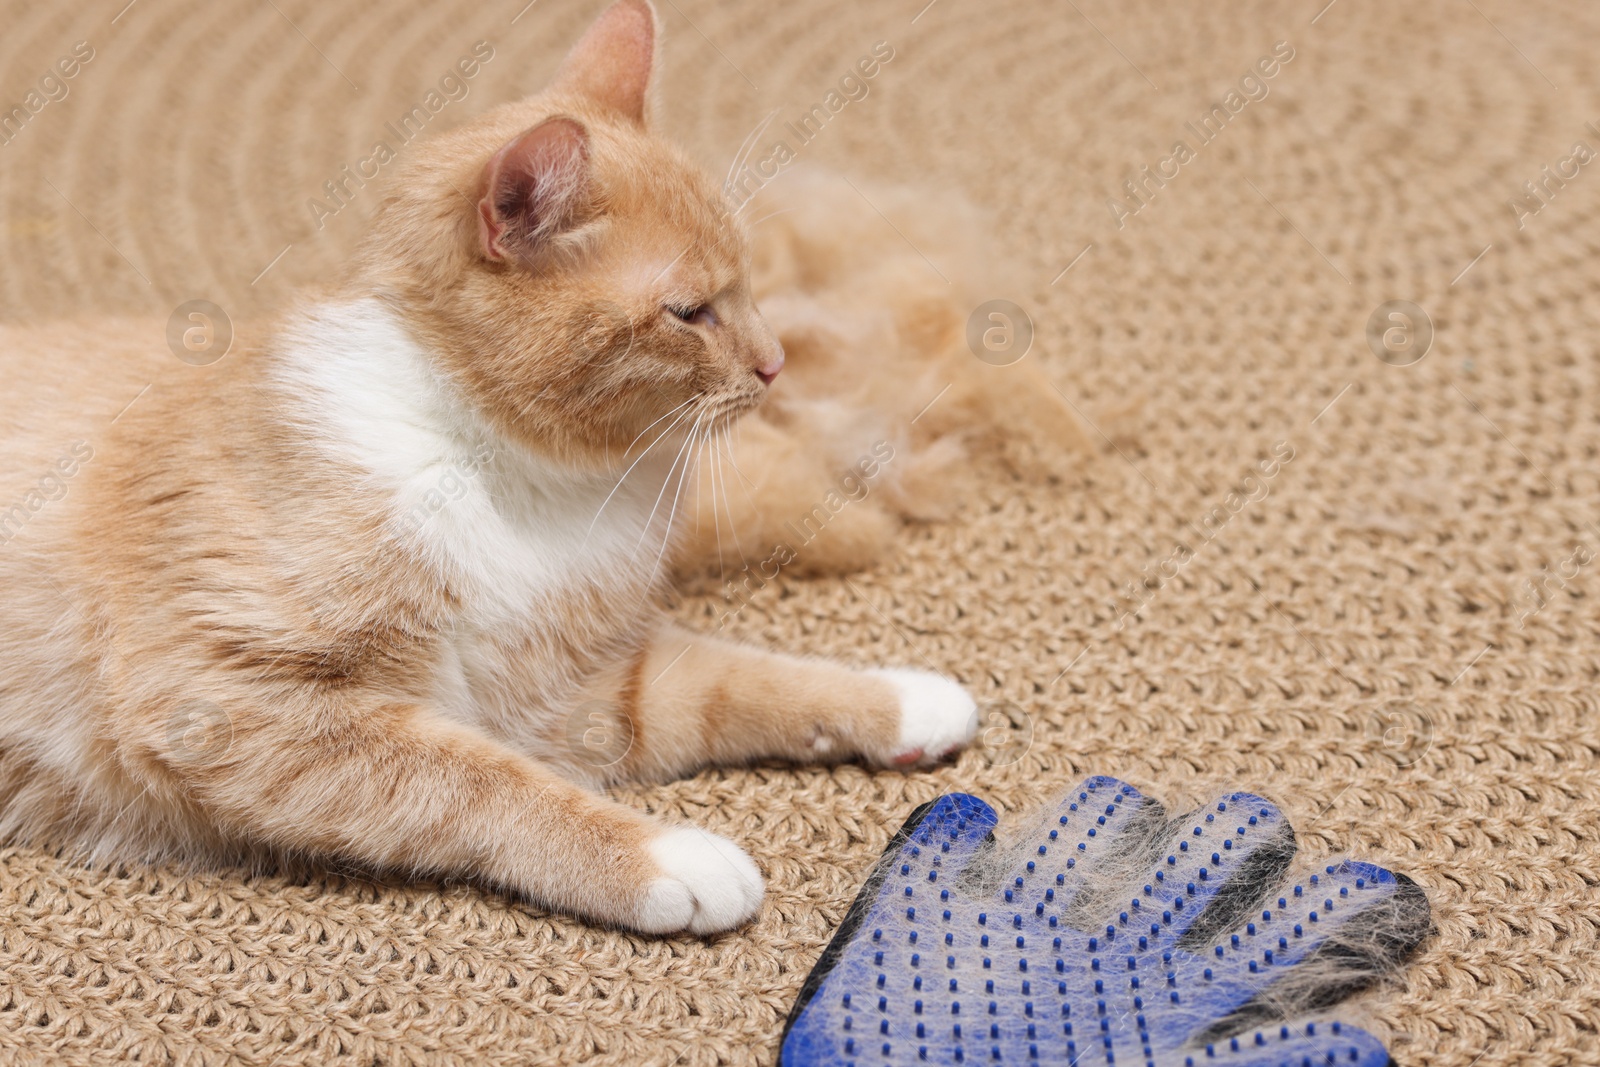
[770, 370]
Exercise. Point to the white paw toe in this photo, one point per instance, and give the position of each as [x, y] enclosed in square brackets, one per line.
[707, 884]
[937, 716]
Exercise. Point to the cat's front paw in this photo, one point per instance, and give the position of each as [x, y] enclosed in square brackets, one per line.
[707, 884]
[937, 716]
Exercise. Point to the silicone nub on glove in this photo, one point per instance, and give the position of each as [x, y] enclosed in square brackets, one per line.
[1117, 936]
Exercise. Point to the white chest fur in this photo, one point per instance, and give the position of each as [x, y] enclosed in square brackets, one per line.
[515, 532]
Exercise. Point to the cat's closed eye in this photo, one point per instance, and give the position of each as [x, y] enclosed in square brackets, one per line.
[697, 315]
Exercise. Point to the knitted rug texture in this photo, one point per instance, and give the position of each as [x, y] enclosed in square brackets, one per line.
[1394, 633]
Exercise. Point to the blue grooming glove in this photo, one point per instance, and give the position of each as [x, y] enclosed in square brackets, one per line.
[1122, 938]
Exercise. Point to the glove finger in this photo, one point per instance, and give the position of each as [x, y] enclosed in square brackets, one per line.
[1218, 867]
[937, 844]
[1358, 911]
[1326, 937]
[1323, 939]
[938, 839]
[1308, 1044]
[1056, 864]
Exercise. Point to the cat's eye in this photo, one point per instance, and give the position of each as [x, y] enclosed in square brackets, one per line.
[698, 315]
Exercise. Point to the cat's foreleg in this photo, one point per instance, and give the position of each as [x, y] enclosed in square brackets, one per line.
[394, 786]
[694, 700]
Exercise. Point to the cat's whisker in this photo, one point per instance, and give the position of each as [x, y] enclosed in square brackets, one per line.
[734, 463]
[746, 481]
[697, 491]
[648, 449]
[727, 499]
[666, 537]
[658, 418]
[700, 469]
[714, 470]
[733, 529]
[650, 520]
[695, 440]
[700, 458]
[716, 503]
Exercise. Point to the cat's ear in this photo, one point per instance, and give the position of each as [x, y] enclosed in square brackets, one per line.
[534, 188]
[612, 64]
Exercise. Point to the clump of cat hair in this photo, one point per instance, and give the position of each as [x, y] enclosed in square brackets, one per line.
[873, 312]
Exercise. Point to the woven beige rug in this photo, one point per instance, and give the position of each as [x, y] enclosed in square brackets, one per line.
[1395, 634]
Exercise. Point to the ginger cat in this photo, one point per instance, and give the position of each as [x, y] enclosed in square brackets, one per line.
[368, 590]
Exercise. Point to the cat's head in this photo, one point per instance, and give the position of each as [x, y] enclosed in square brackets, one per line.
[584, 283]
